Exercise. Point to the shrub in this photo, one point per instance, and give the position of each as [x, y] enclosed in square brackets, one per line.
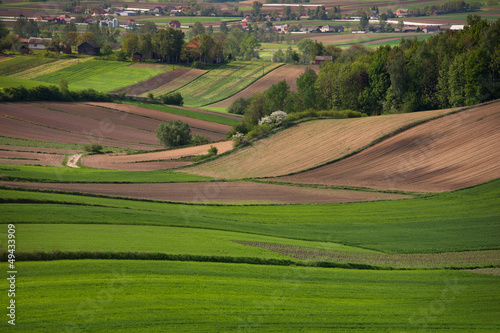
[212, 151]
[274, 119]
[92, 147]
[173, 133]
[239, 106]
[151, 98]
[238, 139]
[172, 99]
[199, 139]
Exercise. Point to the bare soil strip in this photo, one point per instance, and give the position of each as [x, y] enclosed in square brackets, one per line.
[151, 161]
[445, 154]
[30, 158]
[420, 260]
[73, 160]
[195, 124]
[306, 145]
[289, 73]
[163, 82]
[218, 192]
[38, 149]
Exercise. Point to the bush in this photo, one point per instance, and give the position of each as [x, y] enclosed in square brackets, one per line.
[199, 139]
[274, 119]
[173, 133]
[238, 139]
[212, 151]
[92, 147]
[239, 106]
[172, 99]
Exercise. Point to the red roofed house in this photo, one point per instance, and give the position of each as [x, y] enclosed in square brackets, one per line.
[174, 24]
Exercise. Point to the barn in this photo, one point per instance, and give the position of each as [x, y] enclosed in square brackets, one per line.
[89, 48]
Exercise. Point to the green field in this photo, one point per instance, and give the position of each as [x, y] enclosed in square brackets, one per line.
[455, 221]
[7, 82]
[187, 20]
[22, 63]
[101, 75]
[87, 175]
[146, 296]
[224, 81]
[188, 113]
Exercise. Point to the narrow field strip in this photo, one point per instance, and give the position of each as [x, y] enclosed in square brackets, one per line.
[217, 192]
[14, 157]
[46, 69]
[19, 64]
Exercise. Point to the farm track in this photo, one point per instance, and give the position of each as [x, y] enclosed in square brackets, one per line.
[151, 161]
[445, 154]
[289, 73]
[306, 145]
[162, 83]
[218, 192]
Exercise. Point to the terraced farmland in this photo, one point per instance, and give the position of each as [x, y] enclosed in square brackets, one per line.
[226, 81]
[289, 73]
[307, 145]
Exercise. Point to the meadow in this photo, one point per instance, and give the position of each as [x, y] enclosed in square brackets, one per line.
[19, 64]
[124, 296]
[101, 75]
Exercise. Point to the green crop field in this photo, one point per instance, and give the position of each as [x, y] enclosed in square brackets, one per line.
[188, 113]
[126, 296]
[100, 75]
[187, 20]
[7, 82]
[22, 63]
[223, 81]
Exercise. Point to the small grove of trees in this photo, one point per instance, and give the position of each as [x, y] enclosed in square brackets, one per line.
[173, 133]
[174, 98]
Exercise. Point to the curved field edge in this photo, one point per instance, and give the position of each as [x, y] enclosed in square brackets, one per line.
[132, 294]
[462, 220]
[266, 156]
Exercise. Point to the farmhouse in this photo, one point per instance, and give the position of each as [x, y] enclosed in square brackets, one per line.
[319, 59]
[174, 24]
[430, 29]
[89, 48]
[332, 28]
[38, 43]
[401, 12]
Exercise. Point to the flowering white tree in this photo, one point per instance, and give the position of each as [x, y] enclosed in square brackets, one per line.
[274, 119]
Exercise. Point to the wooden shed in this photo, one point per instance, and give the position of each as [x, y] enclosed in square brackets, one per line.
[89, 48]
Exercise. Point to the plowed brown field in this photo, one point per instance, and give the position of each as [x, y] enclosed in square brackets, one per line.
[449, 153]
[30, 158]
[163, 83]
[150, 161]
[218, 192]
[307, 145]
[289, 73]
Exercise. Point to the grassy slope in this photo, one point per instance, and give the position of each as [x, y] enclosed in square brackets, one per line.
[125, 296]
[222, 82]
[7, 81]
[187, 113]
[455, 221]
[100, 75]
[22, 63]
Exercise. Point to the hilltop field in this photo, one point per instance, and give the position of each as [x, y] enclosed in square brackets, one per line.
[356, 211]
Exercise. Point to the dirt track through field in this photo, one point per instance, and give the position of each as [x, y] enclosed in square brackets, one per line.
[306, 145]
[445, 154]
[289, 73]
[151, 161]
[218, 192]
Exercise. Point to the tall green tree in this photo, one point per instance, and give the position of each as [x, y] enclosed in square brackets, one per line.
[26, 28]
[168, 44]
[306, 88]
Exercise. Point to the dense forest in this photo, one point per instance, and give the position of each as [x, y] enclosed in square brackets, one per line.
[451, 69]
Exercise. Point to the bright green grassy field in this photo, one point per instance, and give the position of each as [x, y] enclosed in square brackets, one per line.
[191, 20]
[7, 81]
[454, 221]
[101, 75]
[87, 175]
[223, 82]
[188, 113]
[22, 63]
[149, 296]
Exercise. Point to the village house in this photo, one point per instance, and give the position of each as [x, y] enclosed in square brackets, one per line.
[402, 12]
[137, 56]
[319, 59]
[156, 10]
[174, 24]
[38, 43]
[430, 28]
[24, 49]
[89, 48]
[332, 28]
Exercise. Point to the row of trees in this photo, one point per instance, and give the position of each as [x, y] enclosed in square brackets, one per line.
[451, 69]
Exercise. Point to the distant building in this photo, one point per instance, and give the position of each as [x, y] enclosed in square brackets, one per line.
[332, 28]
[174, 24]
[402, 13]
[24, 50]
[67, 49]
[430, 29]
[319, 59]
[38, 43]
[457, 27]
[89, 48]
[137, 57]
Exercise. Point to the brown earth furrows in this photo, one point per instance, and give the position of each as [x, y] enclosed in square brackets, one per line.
[38, 149]
[73, 123]
[289, 73]
[151, 161]
[167, 81]
[217, 192]
[27, 158]
[307, 145]
[165, 116]
[445, 154]
[22, 130]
